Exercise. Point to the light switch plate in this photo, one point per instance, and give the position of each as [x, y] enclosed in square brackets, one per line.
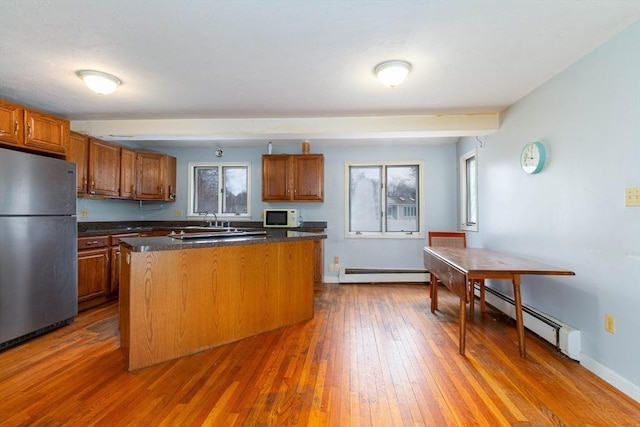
[632, 196]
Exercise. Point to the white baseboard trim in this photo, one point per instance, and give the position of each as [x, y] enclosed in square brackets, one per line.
[624, 385]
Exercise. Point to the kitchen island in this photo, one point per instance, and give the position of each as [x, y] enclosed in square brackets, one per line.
[181, 296]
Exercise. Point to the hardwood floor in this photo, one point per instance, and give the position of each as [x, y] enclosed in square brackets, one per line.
[373, 355]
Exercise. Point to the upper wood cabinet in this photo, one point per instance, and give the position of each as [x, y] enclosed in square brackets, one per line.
[108, 169]
[127, 173]
[78, 152]
[32, 130]
[155, 177]
[104, 168]
[11, 123]
[293, 177]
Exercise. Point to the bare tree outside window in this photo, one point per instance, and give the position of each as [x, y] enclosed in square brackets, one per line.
[384, 198]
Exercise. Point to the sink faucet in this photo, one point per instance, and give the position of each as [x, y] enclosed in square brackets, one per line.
[214, 215]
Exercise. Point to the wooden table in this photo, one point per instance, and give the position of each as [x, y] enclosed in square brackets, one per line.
[457, 268]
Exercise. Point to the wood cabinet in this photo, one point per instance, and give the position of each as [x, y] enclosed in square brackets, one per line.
[169, 164]
[155, 177]
[11, 123]
[78, 152]
[104, 168]
[293, 177]
[127, 173]
[94, 271]
[114, 171]
[32, 130]
[98, 269]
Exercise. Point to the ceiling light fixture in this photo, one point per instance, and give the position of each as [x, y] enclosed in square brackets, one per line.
[99, 82]
[392, 73]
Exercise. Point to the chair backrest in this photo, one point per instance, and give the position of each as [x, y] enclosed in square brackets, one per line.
[452, 239]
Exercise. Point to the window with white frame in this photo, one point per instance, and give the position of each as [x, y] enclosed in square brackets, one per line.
[384, 199]
[469, 191]
[220, 188]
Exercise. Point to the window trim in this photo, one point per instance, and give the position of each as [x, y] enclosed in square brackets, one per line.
[191, 189]
[465, 225]
[420, 234]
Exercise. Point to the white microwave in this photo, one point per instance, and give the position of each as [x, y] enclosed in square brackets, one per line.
[281, 218]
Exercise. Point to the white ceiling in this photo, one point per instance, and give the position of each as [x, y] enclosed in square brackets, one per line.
[291, 59]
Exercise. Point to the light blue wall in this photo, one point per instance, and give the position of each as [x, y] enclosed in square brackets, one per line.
[572, 214]
[440, 189]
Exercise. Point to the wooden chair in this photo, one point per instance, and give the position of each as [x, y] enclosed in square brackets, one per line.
[453, 239]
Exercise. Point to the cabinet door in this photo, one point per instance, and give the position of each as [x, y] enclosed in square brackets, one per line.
[104, 168]
[46, 133]
[93, 274]
[127, 173]
[308, 177]
[169, 180]
[78, 152]
[149, 177]
[276, 178]
[11, 123]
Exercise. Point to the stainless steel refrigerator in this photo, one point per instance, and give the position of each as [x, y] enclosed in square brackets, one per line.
[38, 245]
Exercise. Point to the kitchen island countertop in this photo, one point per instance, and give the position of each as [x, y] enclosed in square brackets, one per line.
[167, 243]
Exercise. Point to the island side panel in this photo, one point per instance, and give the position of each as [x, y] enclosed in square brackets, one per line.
[297, 285]
[184, 301]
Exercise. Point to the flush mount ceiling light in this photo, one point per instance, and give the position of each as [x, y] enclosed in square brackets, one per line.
[99, 82]
[392, 73]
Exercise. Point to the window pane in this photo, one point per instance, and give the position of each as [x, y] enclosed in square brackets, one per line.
[235, 189]
[472, 188]
[402, 201]
[206, 189]
[365, 198]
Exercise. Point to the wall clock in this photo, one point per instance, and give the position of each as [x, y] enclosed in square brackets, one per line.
[533, 157]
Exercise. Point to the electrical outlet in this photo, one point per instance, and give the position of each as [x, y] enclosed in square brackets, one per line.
[610, 323]
[178, 213]
[332, 267]
[336, 260]
[84, 213]
[336, 267]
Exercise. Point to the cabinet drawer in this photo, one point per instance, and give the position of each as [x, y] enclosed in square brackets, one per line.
[93, 242]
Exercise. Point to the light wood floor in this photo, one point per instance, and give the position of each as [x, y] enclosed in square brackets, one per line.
[373, 356]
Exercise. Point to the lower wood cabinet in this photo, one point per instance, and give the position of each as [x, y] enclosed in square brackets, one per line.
[98, 269]
[93, 271]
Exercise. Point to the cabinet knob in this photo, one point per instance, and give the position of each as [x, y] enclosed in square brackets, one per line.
[29, 131]
[16, 128]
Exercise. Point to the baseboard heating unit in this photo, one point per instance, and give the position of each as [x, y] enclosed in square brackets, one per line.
[381, 275]
[564, 337]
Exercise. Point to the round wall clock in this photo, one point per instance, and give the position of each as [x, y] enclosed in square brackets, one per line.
[533, 157]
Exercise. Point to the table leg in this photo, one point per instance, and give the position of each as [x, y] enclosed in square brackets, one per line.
[433, 292]
[463, 325]
[519, 321]
[472, 298]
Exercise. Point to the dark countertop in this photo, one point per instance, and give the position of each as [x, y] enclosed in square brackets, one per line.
[166, 243]
[123, 227]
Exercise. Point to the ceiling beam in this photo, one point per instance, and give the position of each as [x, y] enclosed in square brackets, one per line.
[371, 127]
